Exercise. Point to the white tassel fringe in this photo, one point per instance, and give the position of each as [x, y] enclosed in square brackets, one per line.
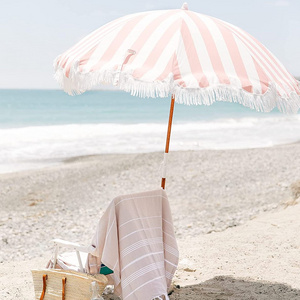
[77, 83]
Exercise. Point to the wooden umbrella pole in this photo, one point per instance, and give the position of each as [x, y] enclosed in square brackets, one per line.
[163, 180]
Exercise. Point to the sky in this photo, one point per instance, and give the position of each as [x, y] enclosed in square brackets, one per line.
[34, 32]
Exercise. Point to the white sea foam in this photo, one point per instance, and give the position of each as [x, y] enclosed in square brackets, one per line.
[33, 147]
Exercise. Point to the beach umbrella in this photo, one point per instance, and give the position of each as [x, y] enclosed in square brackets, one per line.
[194, 58]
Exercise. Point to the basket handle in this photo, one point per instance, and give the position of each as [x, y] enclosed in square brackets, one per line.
[64, 280]
[44, 286]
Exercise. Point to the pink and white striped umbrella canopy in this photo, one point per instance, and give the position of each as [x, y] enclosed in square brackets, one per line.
[197, 58]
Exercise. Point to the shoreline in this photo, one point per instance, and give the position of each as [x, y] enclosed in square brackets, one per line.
[78, 158]
[56, 162]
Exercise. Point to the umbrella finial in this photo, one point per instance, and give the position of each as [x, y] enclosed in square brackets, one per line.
[185, 6]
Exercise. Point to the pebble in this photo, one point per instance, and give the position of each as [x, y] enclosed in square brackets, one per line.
[189, 270]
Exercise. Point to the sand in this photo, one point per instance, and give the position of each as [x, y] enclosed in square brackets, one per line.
[235, 215]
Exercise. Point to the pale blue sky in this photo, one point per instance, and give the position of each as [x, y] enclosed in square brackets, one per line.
[34, 32]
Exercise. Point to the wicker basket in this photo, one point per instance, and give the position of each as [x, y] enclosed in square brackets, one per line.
[66, 285]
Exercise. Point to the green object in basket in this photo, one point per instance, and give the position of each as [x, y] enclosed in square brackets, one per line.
[105, 270]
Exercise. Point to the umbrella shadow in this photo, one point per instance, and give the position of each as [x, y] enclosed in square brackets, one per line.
[230, 288]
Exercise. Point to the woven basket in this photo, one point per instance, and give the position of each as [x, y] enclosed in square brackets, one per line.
[77, 285]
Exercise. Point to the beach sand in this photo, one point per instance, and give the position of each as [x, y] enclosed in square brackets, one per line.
[235, 213]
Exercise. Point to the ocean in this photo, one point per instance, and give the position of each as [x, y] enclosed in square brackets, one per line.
[43, 127]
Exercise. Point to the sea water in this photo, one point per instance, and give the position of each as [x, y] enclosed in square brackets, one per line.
[42, 127]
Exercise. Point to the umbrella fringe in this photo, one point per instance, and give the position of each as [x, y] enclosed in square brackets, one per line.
[78, 82]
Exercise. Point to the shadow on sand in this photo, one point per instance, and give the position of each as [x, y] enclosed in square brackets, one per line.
[230, 288]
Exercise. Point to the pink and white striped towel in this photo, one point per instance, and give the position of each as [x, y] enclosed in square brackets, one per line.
[135, 238]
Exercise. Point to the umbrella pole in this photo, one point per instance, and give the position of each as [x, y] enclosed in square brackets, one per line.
[163, 180]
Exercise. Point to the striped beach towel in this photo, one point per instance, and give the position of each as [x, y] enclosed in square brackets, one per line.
[135, 238]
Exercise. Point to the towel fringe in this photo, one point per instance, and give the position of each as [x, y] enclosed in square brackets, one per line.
[161, 297]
